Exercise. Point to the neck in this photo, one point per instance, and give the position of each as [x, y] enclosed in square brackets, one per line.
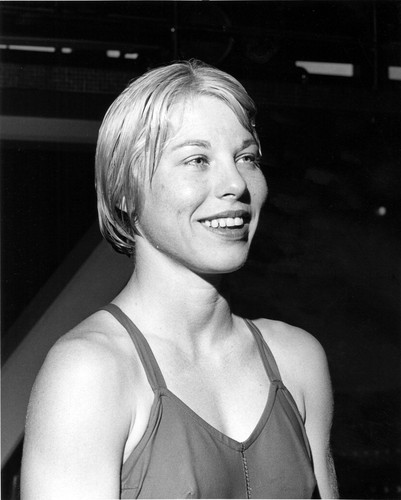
[168, 299]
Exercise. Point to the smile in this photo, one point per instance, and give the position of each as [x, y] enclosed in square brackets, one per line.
[230, 222]
[228, 228]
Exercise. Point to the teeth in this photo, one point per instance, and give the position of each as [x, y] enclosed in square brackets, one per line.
[225, 222]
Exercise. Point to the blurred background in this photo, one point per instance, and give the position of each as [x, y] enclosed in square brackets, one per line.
[326, 77]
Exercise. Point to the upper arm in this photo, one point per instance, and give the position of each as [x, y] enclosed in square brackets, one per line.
[318, 417]
[76, 425]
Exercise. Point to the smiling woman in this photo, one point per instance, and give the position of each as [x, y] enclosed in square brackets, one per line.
[207, 178]
[165, 393]
[138, 128]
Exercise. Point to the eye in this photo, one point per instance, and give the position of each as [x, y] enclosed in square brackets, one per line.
[197, 161]
[249, 159]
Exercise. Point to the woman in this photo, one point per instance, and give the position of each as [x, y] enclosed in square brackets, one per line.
[166, 393]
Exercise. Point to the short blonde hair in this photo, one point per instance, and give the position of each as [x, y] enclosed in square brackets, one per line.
[135, 130]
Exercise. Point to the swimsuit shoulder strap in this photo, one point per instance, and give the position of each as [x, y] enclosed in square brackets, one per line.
[151, 367]
[265, 352]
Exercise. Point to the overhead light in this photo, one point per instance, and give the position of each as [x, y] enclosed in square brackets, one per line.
[66, 50]
[394, 72]
[32, 48]
[132, 55]
[326, 68]
[113, 53]
[381, 211]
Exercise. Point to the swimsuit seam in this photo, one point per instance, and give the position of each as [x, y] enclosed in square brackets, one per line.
[246, 473]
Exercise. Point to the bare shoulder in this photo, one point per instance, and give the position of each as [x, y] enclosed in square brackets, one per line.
[300, 358]
[292, 344]
[80, 414]
[88, 365]
[94, 347]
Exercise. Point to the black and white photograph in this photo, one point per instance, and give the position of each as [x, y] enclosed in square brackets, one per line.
[200, 249]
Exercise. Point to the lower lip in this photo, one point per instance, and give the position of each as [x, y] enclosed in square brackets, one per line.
[230, 233]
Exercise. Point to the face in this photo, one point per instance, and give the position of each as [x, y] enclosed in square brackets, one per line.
[202, 207]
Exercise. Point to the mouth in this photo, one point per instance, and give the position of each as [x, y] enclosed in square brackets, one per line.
[233, 225]
[226, 222]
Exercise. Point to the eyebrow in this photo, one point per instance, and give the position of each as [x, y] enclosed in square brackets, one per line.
[192, 142]
[248, 142]
[206, 144]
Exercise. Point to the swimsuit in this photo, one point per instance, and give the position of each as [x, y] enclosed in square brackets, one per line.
[180, 455]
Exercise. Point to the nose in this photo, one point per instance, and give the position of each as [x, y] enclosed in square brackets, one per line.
[230, 182]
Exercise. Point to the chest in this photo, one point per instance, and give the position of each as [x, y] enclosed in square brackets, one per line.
[229, 392]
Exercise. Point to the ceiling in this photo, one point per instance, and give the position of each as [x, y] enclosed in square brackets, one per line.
[254, 39]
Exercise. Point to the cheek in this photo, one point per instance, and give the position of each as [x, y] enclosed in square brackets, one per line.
[162, 198]
[258, 189]
[264, 189]
[169, 207]
[185, 195]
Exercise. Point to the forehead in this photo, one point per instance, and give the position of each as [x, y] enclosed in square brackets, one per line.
[205, 115]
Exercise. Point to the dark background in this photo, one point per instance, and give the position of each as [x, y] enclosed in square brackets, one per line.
[327, 256]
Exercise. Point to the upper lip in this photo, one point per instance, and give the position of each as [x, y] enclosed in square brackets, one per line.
[244, 214]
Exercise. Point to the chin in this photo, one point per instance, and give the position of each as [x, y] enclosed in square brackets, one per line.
[225, 266]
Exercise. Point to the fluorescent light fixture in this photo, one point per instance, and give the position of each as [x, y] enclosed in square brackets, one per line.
[32, 48]
[326, 68]
[113, 53]
[3, 46]
[66, 50]
[133, 55]
[394, 72]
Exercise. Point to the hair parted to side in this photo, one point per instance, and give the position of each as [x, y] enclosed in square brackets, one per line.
[134, 133]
